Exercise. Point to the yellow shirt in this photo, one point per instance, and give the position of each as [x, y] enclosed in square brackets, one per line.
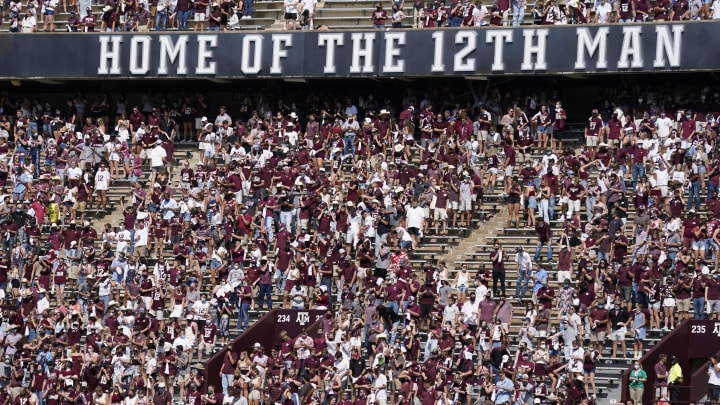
[675, 376]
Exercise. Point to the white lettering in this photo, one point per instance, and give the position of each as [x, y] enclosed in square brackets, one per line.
[665, 48]
[392, 64]
[330, 42]
[631, 47]
[438, 39]
[172, 52]
[109, 53]
[498, 37]
[462, 63]
[280, 41]
[592, 45]
[246, 65]
[538, 50]
[140, 43]
[366, 52]
[205, 63]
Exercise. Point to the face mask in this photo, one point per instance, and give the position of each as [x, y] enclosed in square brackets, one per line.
[637, 367]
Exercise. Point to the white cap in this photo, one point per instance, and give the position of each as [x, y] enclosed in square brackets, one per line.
[203, 119]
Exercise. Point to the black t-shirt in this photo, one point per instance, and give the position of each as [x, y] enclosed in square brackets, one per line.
[619, 316]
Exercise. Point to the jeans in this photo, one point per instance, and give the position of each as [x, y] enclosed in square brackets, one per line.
[287, 219]
[455, 21]
[429, 347]
[694, 195]
[638, 170]
[35, 159]
[551, 207]
[266, 295]
[603, 255]
[698, 307]
[349, 145]
[518, 14]
[589, 204]
[711, 187]
[227, 381]
[248, 8]
[243, 316]
[522, 280]
[161, 21]
[132, 242]
[182, 17]
[270, 228]
[279, 279]
[539, 247]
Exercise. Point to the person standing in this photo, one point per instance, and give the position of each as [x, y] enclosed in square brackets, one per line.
[504, 389]
[522, 258]
[714, 380]
[497, 256]
[638, 377]
[675, 379]
[661, 378]
[544, 234]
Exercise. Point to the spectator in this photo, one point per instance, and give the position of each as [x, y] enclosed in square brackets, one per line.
[379, 17]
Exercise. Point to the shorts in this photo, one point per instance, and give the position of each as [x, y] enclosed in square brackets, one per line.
[493, 170]
[483, 136]
[542, 129]
[509, 171]
[563, 275]
[591, 141]
[668, 302]
[597, 336]
[618, 335]
[426, 212]
[713, 306]
[465, 205]
[683, 305]
[140, 251]
[291, 16]
[440, 214]
[199, 17]
[625, 292]
[49, 12]
[414, 231]
[454, 205]
[654, 305]
[426, 309]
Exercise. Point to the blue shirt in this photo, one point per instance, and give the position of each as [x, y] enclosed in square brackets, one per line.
[505, 394]
[541, 280]
[20, 185]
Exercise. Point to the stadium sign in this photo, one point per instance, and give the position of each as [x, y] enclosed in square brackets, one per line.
[576, 49]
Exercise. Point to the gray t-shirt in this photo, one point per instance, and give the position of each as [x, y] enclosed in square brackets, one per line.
[383, 259]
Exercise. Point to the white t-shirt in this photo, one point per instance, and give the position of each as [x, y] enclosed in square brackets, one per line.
[157, 154]
[141, 236]
[663, 126]
[380, 384]
[603, 12]
[309, 5]
[715, 10]
[291, 6]
[102, 180]
[74, 173]
[415, 217]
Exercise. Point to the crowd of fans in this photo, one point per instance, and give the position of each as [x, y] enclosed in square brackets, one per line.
[320, 205]
[159, 15]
